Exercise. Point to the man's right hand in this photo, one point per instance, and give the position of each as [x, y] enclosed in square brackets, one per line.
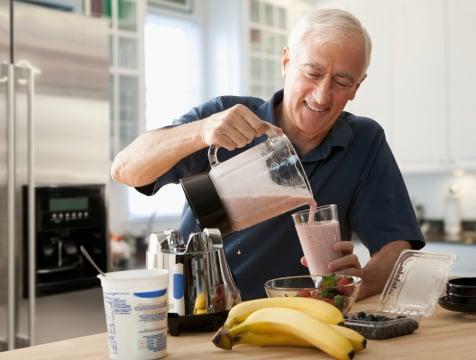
[234, 128]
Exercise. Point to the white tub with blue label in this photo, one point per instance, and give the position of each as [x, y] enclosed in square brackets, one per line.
[136, 307]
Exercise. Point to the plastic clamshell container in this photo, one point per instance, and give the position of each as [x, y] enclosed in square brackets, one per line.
[411, 292]
[416, 282]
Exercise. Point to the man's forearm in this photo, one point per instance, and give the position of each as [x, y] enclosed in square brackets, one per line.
[153, 153]
[375, 273]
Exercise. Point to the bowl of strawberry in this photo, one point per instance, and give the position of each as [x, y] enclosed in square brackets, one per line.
[338, 290]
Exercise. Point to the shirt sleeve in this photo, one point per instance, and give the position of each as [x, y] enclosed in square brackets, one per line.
[381, 211]
[192, 164]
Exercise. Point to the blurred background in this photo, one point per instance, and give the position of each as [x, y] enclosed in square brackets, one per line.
[140, 64]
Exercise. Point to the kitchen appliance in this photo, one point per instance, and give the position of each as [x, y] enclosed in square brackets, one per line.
[54, 130]
[66, 217]
[260, 183]
[201, 287]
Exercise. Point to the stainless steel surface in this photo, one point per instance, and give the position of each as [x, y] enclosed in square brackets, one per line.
[4, 31]
[70, 132]
[205, 269]
[11, 292]
[90, 259]
[71, 93]
[31, 207]
[30, 84]
[4, 242]
[3, 208]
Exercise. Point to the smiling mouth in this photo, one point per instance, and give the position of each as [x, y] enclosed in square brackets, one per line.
[315, 109]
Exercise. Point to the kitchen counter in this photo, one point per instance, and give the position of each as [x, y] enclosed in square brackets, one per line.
[445, 335]
[466, 237]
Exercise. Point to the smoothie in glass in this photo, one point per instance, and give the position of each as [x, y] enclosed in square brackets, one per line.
[318, 230]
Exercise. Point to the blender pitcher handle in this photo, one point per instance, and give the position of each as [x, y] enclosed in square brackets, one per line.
[213, 149]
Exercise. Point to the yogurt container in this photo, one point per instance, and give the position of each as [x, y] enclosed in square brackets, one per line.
[136, 306]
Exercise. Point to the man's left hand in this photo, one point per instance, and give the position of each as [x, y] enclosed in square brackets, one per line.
[349, 263]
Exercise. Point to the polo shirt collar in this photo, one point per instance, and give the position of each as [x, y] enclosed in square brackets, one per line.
[340, 135]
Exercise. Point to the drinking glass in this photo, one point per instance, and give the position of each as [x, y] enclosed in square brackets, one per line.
[318, 229]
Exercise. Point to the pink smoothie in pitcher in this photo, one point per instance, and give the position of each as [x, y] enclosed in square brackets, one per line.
[246, 211]
[316, 242]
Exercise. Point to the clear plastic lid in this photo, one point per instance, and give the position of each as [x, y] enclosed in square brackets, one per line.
[416, 282]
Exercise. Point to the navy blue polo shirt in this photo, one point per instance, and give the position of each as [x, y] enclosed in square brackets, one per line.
[353, 167]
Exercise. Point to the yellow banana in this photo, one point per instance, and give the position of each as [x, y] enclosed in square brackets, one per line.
[276, 320]
[316, 308]
[200, 306]
[358, 342]
[269, 340]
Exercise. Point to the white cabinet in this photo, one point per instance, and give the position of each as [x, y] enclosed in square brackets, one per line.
[434, 77]
[374, 97]
[418, 84]
[438, 133]
[461, 75]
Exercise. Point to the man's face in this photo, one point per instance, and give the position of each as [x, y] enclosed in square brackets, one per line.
[320, 77]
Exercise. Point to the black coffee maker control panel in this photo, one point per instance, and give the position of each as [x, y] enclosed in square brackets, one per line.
[66, 218]
[69, 207]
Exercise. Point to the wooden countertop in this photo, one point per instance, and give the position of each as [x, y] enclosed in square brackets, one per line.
[445, 335]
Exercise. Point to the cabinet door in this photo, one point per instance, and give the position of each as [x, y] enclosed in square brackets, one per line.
[373, 98]
[419, 89]
[462, 82]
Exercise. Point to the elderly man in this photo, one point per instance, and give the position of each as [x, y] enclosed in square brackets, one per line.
[346, 158]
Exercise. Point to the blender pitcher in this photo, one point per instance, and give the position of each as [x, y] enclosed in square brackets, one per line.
[256, 185]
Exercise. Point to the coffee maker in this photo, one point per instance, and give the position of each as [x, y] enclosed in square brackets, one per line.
[201, 287]
[66, 217]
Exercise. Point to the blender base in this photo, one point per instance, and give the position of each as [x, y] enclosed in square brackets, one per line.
[205, 322]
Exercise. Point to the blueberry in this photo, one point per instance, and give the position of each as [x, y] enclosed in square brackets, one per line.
[385, 330]
[361, 315]
[371, 318]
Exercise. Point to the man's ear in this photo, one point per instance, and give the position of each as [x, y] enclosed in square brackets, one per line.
[357, 87]
[284, 61]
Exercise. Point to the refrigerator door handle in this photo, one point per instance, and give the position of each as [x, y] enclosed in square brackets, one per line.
[9, 77]
[27, 78]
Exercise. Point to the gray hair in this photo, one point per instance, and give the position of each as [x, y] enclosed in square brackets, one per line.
[331, 24]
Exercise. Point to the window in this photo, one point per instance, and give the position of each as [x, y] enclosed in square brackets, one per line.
[174, 84]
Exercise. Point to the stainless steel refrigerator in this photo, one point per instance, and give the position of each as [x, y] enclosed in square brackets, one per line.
[54, 129]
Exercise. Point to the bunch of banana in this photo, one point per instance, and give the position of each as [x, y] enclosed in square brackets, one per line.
[289, 321]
